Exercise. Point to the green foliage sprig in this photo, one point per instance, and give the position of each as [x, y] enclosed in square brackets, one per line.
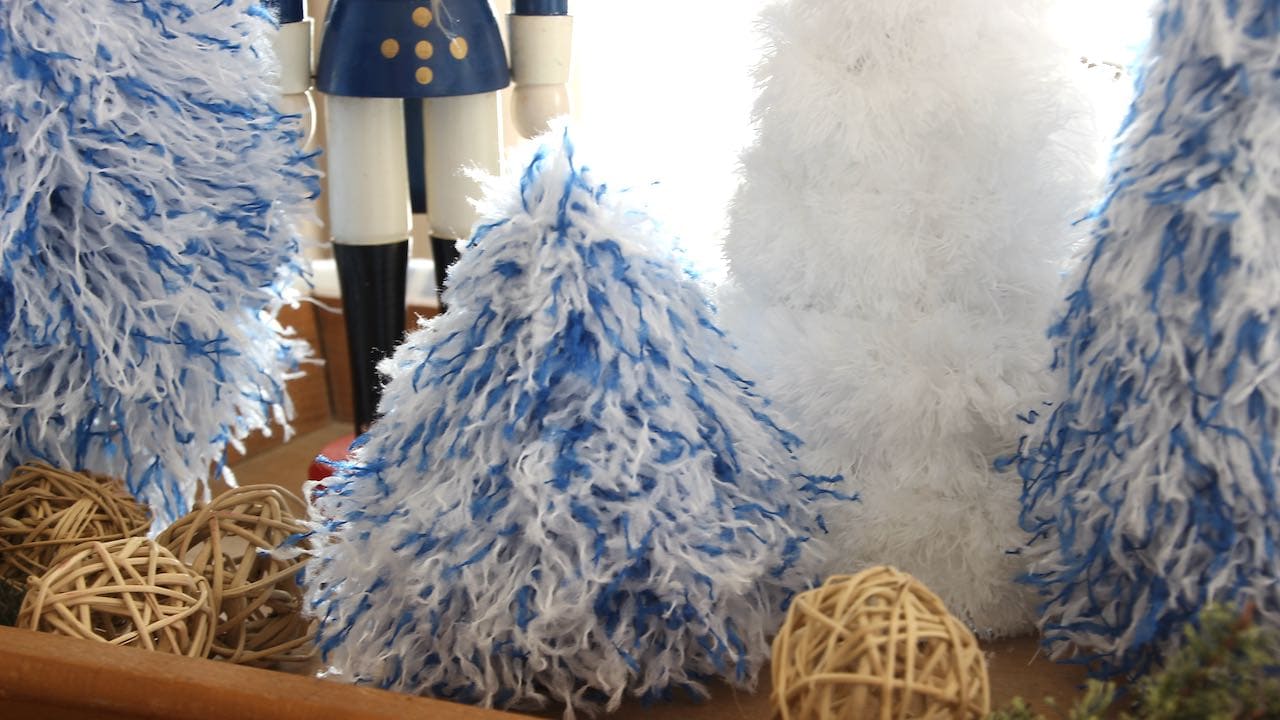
[1228, 668]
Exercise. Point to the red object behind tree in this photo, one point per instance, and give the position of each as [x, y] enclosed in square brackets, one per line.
[334, 451]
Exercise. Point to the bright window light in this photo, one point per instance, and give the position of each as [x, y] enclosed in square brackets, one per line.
[666, 88]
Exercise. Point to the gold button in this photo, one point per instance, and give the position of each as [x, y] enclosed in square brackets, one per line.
[423, 50]
[458, 47]
[390, 48]
[424, 76]
[422, 17]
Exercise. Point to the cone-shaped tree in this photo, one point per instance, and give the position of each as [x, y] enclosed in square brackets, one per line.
[571, 495]
[1151, 487]
[895, 251]
[147, 187]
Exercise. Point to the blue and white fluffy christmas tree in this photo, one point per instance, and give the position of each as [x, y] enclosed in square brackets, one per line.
[1151, 486]
[147, 187]
[571, 495]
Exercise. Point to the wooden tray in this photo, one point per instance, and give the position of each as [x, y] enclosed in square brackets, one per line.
[47, 677]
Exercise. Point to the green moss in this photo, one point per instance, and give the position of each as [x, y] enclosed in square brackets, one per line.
[1225, 670]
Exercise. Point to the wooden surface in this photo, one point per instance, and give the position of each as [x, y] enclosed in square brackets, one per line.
[1016, 668]
[48, 677]
[53, 678]
[1015, 671]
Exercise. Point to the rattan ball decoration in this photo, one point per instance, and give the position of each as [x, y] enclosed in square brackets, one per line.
[124, 592]
[876, 645]
[255, 593]
[45, 511]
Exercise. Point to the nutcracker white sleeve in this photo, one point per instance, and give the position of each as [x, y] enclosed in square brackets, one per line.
[541, 47]
[293, 51]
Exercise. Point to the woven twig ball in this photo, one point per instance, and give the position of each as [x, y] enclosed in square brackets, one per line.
[125, 592]
[255, 592]
[45, 511]
[876, 645]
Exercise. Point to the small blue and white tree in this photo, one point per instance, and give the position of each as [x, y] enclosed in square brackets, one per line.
[1151, 486]
[571, 495]
[147, 190]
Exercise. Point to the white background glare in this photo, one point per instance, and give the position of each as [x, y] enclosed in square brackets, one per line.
[666, 86]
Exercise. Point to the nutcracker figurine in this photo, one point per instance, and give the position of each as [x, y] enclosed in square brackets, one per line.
[448, 54]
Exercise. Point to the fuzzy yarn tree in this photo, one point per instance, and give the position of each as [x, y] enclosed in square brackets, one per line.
[895, 251]
[571, 495]
[148, 185]
[1151, 487]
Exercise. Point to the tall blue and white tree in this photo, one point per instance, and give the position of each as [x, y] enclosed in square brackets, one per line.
[571, 496]
[1151, 487]
[147, 185]
[895, 250]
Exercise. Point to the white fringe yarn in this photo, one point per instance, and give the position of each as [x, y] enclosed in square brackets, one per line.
[148, 187]
[895, 249]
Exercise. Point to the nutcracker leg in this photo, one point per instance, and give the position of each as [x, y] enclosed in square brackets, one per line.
[461, 132]
[369, 217]
[444, 252]
[373, 306]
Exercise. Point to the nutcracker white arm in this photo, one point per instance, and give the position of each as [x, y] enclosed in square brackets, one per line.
[541, 36]
[293, 52]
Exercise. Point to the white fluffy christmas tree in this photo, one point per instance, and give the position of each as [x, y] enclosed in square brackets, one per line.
[895, 249]
[147, 187]
[571, 495]
[1152, 486]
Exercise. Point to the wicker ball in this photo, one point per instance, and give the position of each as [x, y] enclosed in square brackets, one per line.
[125, 592]
[45, 511]
[255, 592]
[874, 645]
